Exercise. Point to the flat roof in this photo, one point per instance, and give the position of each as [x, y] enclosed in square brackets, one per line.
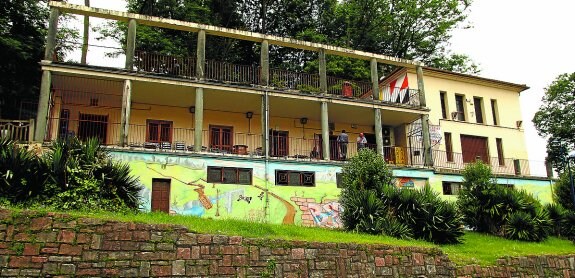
[230, 33]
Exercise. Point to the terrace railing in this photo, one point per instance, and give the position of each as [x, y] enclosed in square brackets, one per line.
[279, 79]
[21, 131]
[500, 166]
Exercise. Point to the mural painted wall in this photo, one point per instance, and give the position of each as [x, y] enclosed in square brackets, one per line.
[263, 200]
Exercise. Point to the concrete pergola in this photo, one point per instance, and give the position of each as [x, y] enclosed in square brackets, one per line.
[202, 30]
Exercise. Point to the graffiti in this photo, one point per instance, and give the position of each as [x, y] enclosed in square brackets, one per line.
[262, 201]
[245, 198]
[324, 214]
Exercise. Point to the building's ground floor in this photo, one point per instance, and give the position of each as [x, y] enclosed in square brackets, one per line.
[279, 191]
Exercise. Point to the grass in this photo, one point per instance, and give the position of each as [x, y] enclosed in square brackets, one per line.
[485, 249]
[477, 248]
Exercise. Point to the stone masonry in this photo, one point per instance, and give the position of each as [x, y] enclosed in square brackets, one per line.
[49, 245]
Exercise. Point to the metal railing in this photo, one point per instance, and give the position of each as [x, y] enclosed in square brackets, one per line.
[21, 131]
[500, 166]
[162, 64]
[404, 96]
[232, 73]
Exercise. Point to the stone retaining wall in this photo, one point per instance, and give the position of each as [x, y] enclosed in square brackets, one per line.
[33, 244]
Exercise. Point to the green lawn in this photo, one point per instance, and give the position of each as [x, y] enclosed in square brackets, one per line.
[476, 248]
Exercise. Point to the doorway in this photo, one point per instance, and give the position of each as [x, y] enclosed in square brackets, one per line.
[161, 195]
[279, 144]
[474, 147]
[93, 126]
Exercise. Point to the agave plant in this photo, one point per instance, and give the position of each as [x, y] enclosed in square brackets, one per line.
[21, 174]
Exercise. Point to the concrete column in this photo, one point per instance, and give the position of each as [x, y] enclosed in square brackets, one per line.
[86, 35]
[43, 107]
[199, 118]
[265, 64]
[126, 107]
[428, 154]
[265, 124]
[421, 86]
[324, 131]
[378, 131]
[131, 44]
[201, 55]
[51, 37]
[322, 72]
[374, 79]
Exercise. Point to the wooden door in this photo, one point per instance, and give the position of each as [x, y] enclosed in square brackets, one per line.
[221, 138]
[473, 147]
[161, 195]
[279, 143]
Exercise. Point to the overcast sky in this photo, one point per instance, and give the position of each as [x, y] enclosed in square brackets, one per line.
[522, 41]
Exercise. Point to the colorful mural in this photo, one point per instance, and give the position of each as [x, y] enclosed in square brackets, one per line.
[263, 200]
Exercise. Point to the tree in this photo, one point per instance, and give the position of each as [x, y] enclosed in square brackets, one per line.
[455, 62]
[23, 26]
[556, 118]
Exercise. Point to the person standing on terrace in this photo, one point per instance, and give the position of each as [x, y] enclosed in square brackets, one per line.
[342, 141]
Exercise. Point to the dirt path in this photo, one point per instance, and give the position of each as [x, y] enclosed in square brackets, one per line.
[290, 214]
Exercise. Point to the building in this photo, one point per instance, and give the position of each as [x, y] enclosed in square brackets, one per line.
[219, 140]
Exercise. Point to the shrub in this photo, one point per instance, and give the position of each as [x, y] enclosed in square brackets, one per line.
[373, 204]
[558, 216]
[562, 192]
[493, 209]
[71, 175]
[21, 173]
[524, 226]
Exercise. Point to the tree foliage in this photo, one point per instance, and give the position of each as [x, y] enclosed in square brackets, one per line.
[411, 29]
[23, 26]
[555, 119]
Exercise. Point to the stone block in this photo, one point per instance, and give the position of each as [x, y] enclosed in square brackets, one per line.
[183, 253]
[70, 250]
[67, 236]
[31, 249]
[179, 267]
[161, 270]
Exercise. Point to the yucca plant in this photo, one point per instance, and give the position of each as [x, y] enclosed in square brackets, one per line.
[523, 226]
[557, 216]
[21, 174]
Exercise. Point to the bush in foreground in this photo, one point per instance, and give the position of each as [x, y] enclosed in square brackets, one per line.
[494, 209]
[71, 175]
[373, 204]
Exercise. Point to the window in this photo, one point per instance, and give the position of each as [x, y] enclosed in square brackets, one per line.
[448, 147]
[296, 178]
[279, 143]
[93, 101]
[229, 175]
[158, 131]
[500, 151]
[494, 112]
[221, 138]
[459, 105]
[443, 105]
[451, 188]
[478, 104]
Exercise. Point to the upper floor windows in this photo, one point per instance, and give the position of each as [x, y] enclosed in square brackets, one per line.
[460, 107]
[494, 112]
[443, 105]
[478, 104]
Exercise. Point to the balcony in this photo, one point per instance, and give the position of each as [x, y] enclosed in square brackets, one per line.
[281, 80]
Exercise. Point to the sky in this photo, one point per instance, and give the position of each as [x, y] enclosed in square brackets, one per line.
[521, 41]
